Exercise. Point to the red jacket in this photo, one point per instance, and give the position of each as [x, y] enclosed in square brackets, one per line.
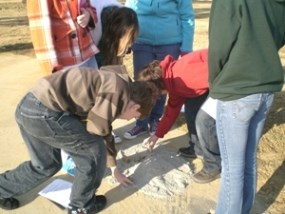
[183, 78]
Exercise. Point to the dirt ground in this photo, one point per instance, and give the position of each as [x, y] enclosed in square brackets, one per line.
[19, 70]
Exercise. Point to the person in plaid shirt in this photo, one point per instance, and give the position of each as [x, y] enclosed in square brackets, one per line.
[60, 32]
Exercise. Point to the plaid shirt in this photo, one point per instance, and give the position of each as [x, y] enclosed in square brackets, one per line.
[57, 38]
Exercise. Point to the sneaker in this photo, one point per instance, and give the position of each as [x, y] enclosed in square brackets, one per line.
[117, 139]
[204, 177]
[134, 132]
[99, 205]
[9, 203]
[153, 127]
[187, 152]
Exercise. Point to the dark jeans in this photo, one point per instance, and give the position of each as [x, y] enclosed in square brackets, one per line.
[45, 133]
[207, 134]
[192, 106]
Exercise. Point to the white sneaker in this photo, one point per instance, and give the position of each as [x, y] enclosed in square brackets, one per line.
[117, 139]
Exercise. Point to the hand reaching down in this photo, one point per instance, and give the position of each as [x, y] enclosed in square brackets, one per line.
[120, 177]
[150, 142]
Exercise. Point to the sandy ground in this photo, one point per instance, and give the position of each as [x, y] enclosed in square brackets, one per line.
[19, 71]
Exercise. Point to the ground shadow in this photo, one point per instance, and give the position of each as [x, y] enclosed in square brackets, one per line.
[202, 13]
[268, 193]
[16, 47]
[14, 21]
[276, 115]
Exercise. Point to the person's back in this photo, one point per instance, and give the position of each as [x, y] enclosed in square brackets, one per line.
[245, 59]
[186, 77]
[163, 22]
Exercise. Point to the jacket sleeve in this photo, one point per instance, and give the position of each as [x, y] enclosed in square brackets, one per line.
[187, 17]
[41, 34]
[111, 150]
[170, 115]
[96, 124]
[93, 15]
[224, 26]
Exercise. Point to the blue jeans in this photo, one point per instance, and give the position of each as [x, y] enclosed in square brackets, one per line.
[239, 126]
[142, 56]
[45, 133]
[208, 140]
[91, 62]
[192, 106]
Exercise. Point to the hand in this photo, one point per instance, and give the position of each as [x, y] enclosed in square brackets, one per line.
[83, 19]
[120, 177]
[150, 142]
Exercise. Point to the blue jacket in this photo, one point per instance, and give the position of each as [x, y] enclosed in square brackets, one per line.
[165, 22]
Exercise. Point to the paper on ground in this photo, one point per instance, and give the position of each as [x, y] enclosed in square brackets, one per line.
[58, 191]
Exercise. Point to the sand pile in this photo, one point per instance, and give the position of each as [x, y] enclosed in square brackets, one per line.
[159, 173]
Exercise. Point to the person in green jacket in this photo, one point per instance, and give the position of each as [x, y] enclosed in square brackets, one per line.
[244, 72]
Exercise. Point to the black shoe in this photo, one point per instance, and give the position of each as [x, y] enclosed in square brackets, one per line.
[187, 152]
[99, 205]
[9, 203]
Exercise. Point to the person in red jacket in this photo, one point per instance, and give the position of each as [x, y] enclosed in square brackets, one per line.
[186, 82]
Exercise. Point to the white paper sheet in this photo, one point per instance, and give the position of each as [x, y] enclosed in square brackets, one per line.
[58, 191]
[182, 109]
[210, 107]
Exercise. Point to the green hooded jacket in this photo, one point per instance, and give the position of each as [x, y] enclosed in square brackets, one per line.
[244, 39]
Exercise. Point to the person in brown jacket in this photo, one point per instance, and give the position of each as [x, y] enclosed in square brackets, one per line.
[50, 118]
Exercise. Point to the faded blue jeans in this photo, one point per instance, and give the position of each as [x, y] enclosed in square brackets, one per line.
[45, 133]
[143, 55]
[239, 126]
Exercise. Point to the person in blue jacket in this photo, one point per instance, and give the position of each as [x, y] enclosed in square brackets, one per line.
[166, 27]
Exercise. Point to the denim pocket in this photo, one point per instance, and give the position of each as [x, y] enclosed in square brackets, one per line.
[32, 116]
[244, 108]
[71, 125]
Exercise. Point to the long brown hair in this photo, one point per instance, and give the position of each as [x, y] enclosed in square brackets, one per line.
[117, 22]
